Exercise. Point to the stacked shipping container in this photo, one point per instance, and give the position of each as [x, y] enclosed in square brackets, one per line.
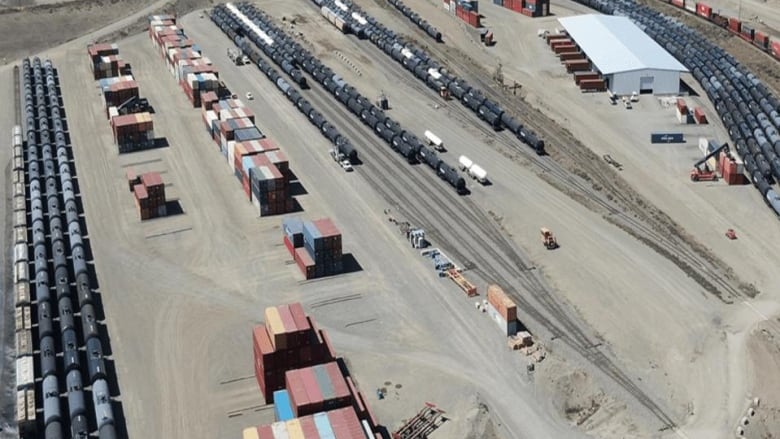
[195, 74]
[149, 193]
[502, 310]
[257, 162]
[336, 424]
[131, 131]
[288, 340]
[317, 388]
[575, 63]
[314, 245]
[731, 169]
[530, 8]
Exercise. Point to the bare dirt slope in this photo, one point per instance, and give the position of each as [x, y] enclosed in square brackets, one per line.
[31, 29]
[763, 350]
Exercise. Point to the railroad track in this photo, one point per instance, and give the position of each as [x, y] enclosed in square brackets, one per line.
[474, 239]
[629, 212]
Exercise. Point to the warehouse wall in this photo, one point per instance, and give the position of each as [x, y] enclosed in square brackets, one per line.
[664, 82]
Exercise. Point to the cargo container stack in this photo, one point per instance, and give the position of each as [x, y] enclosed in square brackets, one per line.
[529, 8]
[133, 132]
[183, 58]
[731, 169]
[699, 117]
[502, 310]
[104, 60]
[314, 245]
[118, 89]
[466, 10]
[268, 188]
[288, 340]
[335, 424]
[240, 130]
[316, 389]
[149, 193]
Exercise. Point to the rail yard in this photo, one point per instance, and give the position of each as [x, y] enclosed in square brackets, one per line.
[307, 218]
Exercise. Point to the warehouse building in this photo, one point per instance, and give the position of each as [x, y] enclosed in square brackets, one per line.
[628, 59]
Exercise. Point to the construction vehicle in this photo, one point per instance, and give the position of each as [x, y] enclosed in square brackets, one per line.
[237, 57]
[134, 105]
[701, 171]
[548, 239]
[416, 237]
[341, 159]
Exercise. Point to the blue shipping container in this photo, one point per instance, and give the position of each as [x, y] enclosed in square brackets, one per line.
[324, 429]
[667, 138]
[293, 228]
[245, 134]
[282, 407]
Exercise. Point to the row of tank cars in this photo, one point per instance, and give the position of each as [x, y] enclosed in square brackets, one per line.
[52, 193]
[745, 105]
[244, 23]
[430, 71]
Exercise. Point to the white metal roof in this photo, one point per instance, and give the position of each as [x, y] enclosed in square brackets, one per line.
[616, 44]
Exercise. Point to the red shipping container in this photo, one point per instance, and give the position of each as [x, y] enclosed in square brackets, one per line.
[309, 428]
[682, 106]
[312, 386]
[703, 10]
[299, 397]
[473, 19]
[517, 5]
[679, 3]
[775, 49]
[571, 56]
[289, 246]
[564, 48]
[305, 263]
[735, 25]
[266, 432]
[527, 12]
[698, 115]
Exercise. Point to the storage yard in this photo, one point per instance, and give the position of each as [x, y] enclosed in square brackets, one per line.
[341, 237]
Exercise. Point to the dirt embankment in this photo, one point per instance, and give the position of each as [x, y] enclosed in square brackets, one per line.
[29, 30]
[763, 349]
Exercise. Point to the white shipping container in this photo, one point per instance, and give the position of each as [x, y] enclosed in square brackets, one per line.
[231, 147]
[211, 116]
[25, 377]
[690, 5]
[280, 430]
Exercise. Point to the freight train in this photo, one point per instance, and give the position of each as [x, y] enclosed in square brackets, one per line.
[748, 109]
[438, 79]
[342, 144]
[47, 165]
[402, 141]
[762, 41]
[416, 19]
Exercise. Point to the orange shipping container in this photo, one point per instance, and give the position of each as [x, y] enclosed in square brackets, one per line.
[502, 303]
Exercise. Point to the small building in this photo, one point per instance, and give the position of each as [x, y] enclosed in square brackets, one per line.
[627, 58]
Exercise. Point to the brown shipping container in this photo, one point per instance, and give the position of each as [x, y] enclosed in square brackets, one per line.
[581, 76]
[563, 48]
[561, 42]
[569, 56]
[593, 85]
[556, 37]
[502, 303]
